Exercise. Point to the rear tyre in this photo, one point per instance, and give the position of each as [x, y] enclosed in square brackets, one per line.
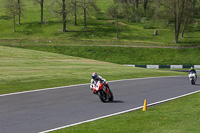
[111, 98]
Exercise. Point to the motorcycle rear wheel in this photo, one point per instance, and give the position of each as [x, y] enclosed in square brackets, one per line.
[111, 98]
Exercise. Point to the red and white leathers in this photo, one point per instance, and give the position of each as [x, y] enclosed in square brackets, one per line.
[94, 81]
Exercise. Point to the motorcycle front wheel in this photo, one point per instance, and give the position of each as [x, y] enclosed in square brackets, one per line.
[102, 96]
[192, 81]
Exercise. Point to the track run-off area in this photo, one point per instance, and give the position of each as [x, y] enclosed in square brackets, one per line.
[55, 108]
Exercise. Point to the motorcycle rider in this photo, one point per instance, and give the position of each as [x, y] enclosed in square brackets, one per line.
[95, 79]
[192, 70]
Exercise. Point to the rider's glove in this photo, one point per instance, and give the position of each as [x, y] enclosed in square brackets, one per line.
[91, 86]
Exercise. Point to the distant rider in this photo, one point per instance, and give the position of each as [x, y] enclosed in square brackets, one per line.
[192, 70]
[95, 79]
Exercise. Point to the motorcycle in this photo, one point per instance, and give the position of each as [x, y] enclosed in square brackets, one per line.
[192, 77]
[104, 92]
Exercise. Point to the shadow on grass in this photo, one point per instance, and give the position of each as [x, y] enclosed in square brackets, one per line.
[192, 37]
[4, 17]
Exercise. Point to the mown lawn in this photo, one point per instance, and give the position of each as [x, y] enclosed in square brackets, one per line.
[23, 70]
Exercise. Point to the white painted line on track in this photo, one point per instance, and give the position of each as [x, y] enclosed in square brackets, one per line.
[126, 111]
[46, 89]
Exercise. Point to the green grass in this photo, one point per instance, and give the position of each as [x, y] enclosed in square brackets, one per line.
[23, 70]
[178, 116]
[128, 55]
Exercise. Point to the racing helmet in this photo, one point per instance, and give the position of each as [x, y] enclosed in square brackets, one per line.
[94, 75]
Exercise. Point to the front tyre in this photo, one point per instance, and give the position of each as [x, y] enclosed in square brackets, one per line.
[102, 96]
[192, 82]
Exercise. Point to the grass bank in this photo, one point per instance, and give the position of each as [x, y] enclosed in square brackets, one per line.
[128, 55]
[23, 70]
[178, 116]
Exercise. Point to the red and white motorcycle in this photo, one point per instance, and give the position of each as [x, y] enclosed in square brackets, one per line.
[192, 77]
[104, 92]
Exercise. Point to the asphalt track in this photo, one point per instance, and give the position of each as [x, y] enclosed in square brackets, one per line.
[39, 111]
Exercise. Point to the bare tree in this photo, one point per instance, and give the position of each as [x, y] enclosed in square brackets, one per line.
[87, 4]
[74, 2]
[19, 11]
[177, 10]
[12, 10]
[113, 11]
[145, 3]
[188, 15]
[199, 9]
[137, 4]
[62, 9]
[41, 2]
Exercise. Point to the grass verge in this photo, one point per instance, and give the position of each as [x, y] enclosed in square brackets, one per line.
[178, 116]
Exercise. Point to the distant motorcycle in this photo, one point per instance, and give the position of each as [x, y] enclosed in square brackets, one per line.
[192, 77]
[104, 93]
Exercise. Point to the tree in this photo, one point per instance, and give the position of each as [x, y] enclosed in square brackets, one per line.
[188, 15]
[113, 11]
[74, 2]
[41, 2]
[12, 10]
[199, 9]
[87, 4]
[20, 8]
[62, 9]
[145, 2]
[178, 9]
[136, 4]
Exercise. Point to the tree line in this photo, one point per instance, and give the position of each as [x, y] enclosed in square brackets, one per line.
[180, 13]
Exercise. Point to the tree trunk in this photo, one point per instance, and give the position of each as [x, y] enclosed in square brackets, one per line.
[183, 30]
[13, 23]
[199, 9]
[194, 3]
[42, 7]
[136, 4]
[177, 27]
[75, 16]
[64, 16]
[117, 35]
[19, 9]
[84, 13]
[145, 5]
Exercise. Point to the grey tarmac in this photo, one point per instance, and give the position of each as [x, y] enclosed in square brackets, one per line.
[39, 111]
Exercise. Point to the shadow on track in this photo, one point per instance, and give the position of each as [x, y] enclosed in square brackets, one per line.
[116, 101]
